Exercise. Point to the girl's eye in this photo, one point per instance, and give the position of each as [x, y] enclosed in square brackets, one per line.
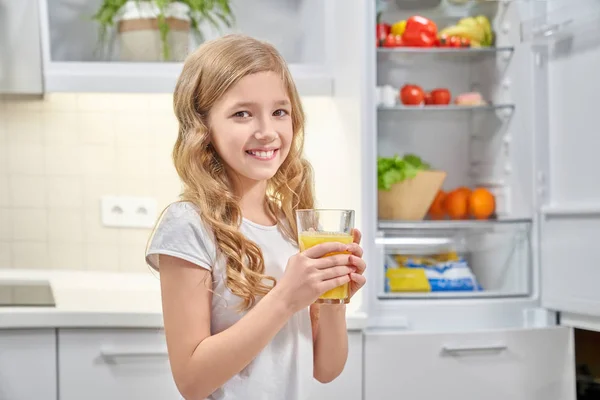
[280, 113]
[241, 114]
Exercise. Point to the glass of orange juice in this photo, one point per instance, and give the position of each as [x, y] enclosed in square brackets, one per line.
[317, 226]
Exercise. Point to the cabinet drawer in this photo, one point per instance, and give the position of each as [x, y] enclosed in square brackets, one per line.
[28, 364]
[119, 364]
[526, 364]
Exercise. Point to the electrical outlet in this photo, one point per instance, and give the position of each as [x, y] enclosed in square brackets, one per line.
[128, 211]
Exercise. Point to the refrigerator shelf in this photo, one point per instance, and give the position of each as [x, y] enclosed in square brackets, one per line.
[448, 225]
[450, 107]
[483, 294]
[463, 51]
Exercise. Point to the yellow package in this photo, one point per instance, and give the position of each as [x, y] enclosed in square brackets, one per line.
[407, 280]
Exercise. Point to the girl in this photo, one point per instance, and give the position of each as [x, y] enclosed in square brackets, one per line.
[235, 290]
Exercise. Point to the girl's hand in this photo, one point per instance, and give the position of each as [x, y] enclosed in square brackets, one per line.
[307, 275]
[357, 280]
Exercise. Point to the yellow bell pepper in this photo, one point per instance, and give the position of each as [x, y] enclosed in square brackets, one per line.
[398, 28]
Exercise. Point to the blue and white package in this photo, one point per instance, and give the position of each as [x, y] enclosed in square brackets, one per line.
[448, 276]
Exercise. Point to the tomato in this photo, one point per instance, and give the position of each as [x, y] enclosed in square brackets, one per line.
[465, 42]
[440, 96]
[428, 98]
[392, 41]
[454, 41]
[412, 95]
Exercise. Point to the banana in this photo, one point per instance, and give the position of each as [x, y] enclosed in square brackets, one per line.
[473, 23]
[472, 32]
[485, 22]
[466, 21]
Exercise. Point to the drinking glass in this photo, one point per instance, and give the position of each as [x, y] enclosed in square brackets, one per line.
[316, 226]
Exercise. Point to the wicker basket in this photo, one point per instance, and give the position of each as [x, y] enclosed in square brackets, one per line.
[410, 199]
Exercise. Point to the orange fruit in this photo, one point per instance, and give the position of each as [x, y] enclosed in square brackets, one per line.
[456, 204]
[436, 210]
[482, 203]
[464, 189]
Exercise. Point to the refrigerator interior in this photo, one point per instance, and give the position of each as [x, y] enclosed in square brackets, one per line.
[509, 147]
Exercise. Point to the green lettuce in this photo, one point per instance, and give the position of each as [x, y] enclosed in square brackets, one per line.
[396, 169]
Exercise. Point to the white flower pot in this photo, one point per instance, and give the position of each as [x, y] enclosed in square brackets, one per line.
[139, 37]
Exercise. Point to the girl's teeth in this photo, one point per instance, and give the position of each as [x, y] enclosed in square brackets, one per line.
[262, 154]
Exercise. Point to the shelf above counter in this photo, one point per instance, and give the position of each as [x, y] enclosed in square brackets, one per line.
[122, 77]
[76, 58]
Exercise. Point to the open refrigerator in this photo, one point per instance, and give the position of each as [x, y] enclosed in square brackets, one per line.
[533, 146]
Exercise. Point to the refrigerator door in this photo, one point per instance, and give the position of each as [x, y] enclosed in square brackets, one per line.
[564, 38]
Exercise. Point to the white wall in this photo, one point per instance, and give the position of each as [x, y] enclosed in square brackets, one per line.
[59, 154]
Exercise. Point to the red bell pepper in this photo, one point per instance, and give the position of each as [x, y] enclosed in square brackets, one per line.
[419, 32]
[383, 30]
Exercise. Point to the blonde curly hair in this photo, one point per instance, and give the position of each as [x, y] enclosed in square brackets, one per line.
[207, 74]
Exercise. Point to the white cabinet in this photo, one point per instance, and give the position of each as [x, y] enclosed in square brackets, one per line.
[526, 364]
[347, 386]
[116, 364]
[20, 47]
[28, 364]
[75, 60]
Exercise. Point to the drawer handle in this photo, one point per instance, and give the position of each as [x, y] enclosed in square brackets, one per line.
[455, 350]
[113, 356]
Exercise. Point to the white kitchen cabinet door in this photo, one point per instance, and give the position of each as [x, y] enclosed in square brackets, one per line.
[347, 386]
[20, 47]
[28, 364]
[115, 364]
[528, 364]
[564, 37]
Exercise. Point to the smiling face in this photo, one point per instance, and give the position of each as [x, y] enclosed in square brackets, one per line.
[251, 127]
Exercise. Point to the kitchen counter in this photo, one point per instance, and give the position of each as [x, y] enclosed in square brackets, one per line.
[47, 317]
[84, 299]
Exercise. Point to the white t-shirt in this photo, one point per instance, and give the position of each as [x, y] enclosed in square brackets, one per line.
[284, 368]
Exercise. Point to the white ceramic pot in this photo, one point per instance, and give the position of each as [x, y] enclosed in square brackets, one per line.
[139, 36]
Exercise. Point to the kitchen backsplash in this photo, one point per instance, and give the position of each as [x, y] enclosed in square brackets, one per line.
[60, 154]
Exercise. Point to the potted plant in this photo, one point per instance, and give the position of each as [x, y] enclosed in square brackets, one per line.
[159, 30]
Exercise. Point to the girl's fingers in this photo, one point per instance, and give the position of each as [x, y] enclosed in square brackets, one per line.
[335, 272]
[359, 263]
[358, 279]
[356, 235]
[355, 249]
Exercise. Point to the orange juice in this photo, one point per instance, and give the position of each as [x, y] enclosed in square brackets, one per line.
[307, 240]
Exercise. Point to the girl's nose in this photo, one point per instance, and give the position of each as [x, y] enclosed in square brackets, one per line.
[265, 132]
[265, 136]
